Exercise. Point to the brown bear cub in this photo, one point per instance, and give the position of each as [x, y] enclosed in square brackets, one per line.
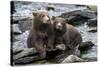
[41, 35]
[66, 34]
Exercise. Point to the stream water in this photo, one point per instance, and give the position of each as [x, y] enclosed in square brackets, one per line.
[89, 36]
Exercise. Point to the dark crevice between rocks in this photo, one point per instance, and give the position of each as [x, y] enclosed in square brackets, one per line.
[86, 46]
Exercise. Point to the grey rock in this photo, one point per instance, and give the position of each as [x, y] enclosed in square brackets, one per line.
[86, 46]
[25, 52]
[93, 29]
[15, 28]
[21, 41]
[24, 21]
[17, 50]
[25, 24]
[90, 55]
[89, 14]
[78, 16]
[26, 60]
[72, 58]
[61, 47]
[50, 7]
[19, 45]
[16, 17]
[77, 20]
[84, 13]
[92, 22]
[22, 37]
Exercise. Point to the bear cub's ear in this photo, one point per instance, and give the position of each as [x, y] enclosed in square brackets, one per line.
[34, 14]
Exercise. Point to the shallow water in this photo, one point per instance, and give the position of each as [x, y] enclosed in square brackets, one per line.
[89, 36]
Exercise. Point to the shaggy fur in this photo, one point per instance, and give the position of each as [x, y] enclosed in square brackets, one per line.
[66, 34]
[41, 35]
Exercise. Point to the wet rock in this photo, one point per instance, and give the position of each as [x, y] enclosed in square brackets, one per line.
[21, 41]
[16, 51]
[22, 37]
[16, 17]
[77, 20]
[25, 52]
[78, 5]
[15, 29]
[14, 22]
[29, 55]
[26, 60]
[72, 58]
[92, 22]
[25, 24]
[93, 30]
[50, 7]
[84, 13]
[86, 46]
[24, 21]
[89, 14]
[90, 55]
[25, 2]
[19, 45]
[78, 16]
[61, 46]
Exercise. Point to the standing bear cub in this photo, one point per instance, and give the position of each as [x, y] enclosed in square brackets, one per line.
[66, 34]
[41, 35]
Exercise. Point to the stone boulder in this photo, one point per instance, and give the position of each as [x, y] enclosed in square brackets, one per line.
[86, 46]
[92, 22]
[72, 58]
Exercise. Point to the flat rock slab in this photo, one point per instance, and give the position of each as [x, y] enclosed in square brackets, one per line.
[15, 28]
[72, 58]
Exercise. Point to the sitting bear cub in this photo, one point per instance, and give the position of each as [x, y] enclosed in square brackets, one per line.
[66, 34]
[41, 35]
